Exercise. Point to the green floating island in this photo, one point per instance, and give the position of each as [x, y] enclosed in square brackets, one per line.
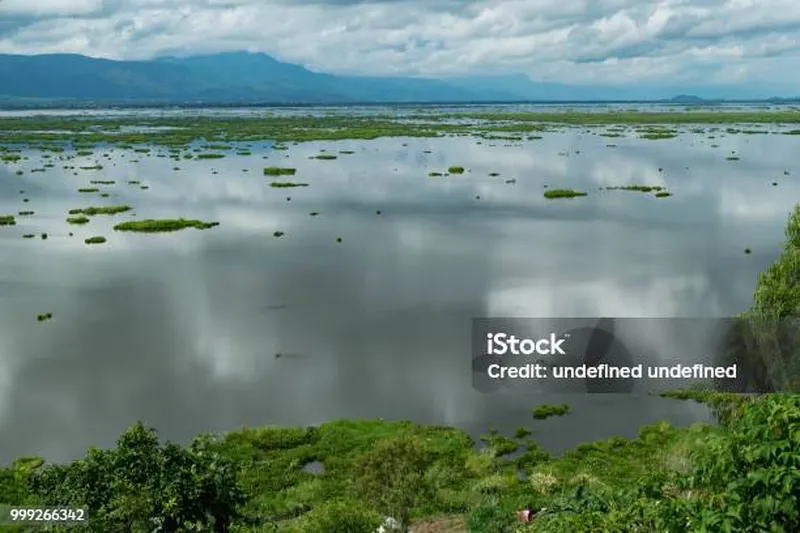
[324, 157]
[44, 316]
[89, 190]
[434, 174]
[278, 234]
[637, 188]
[102, 210]
[286, 184]
[546, 410]
[92, 167]
[210, 156]
[8, 220]
[563, 193]
[25, 213]
[456, 170]
[95, 240]
[102, 182]
[663, 194]
[163, 225]
[279, 171]
[78, 220]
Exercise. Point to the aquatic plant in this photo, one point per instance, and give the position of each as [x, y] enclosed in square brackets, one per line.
[101, 210]
[544, 411]
[7, 220]
[286, 184]
[44, 316]
[279, 171]
[163, 225]
[563, 193]
[455, 170]
[89, 190]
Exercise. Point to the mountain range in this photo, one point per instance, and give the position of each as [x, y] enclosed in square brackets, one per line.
[244, 77]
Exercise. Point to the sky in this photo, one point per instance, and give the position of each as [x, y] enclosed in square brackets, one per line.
[614, 42]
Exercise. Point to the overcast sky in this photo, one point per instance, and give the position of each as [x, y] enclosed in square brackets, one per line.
[607, 41]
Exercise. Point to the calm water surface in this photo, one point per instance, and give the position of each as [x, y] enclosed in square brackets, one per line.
[181, 330]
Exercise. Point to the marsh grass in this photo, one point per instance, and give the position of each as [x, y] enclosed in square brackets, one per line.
[553, 194]
[163, 225]
[95, 240]
[279, 171]
[286, 184]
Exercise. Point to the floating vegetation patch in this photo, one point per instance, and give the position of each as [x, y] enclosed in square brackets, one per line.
[210, 156]
[287, 184]
[78, 220]
[88, 190]
[28, 236]
[279, 171]
[218, 147]
[346, 152]
[25, 213]
[456, 170]
[278, 234]
[83, 153]
[324, 157]
[7, 220]
[102, 182]
[163, 225]
[544, 411]
[134, 182]
[44, 316]
[435, 174]
[563, 193]
[92, 167]
[102, 210]
[10, 158]
[732, 158]
[95, 240]
[637, 188]
[663, 194]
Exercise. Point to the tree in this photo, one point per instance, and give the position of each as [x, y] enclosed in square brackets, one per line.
[142, 485]
[392, 476]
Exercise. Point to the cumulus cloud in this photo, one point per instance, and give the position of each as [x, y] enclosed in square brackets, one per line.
[575, 41]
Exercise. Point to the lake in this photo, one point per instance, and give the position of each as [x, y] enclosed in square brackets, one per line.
[181, 330]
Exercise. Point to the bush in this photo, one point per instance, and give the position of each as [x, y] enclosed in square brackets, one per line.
[339, 516]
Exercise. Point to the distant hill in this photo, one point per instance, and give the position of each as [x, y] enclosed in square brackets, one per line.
[242, 77]
[687, 99]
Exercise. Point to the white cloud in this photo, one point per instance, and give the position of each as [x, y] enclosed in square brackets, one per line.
[608, 41]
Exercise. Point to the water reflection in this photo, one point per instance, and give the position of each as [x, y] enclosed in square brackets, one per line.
[181, 330]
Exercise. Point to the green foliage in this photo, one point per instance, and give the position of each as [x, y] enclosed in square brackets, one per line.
[142, 484]
[163, 225]
[491, 516]
[393, 476]
[553, 194]
[7, 220]
[546, 410]
[339, 516]
[279, 171]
